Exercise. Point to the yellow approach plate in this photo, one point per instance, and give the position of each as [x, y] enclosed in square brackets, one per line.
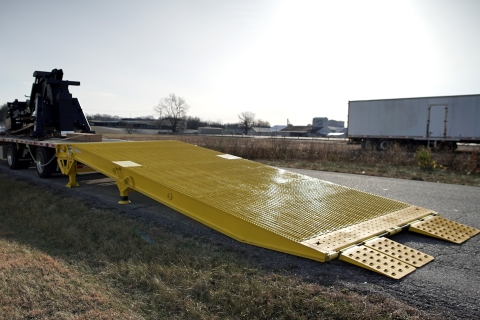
[445, 229]
[246, 200]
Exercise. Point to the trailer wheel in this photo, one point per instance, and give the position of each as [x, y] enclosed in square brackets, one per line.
[368, 144]
[383, 145]
[46, 165]
[13, 157]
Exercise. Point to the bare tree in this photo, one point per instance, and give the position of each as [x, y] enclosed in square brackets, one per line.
[172, 108]
[247, 120]
[129, 127]
[262, 124]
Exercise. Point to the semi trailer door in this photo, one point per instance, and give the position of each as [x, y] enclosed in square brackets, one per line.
[437, 121]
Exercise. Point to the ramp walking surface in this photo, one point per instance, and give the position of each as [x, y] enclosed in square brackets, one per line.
[267, 206]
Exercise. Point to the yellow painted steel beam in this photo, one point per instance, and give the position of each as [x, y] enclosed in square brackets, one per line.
[245, 200]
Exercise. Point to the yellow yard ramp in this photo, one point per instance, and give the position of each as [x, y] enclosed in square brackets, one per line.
[249, 201]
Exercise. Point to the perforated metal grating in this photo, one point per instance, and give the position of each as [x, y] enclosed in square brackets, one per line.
[399, 251]
[445, 229]
[294, 206]
[356, 233]
[376, 261]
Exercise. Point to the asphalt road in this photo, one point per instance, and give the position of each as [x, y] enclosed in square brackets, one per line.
[453, 278]
[449, 286]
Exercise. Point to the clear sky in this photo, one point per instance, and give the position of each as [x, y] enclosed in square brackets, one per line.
[279, 59]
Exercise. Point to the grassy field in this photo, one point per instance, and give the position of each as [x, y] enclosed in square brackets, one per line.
[62, 259]
[445, 167]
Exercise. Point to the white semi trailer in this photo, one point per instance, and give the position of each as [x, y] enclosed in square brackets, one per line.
[433, 121]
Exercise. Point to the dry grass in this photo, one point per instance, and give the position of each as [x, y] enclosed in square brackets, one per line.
[61, 259]
[457, 168]
[38, 286]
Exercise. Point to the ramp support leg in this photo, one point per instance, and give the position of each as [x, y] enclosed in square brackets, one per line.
[124, 190]
[69, 167]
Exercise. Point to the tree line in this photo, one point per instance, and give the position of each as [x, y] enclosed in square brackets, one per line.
[174, 109]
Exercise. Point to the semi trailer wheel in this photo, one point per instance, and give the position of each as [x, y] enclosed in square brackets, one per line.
[46, 165]
[383, 145]
[13, 157]
[368, 144]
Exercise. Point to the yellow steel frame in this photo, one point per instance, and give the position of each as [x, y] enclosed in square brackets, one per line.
[128, 181]
[248, 201]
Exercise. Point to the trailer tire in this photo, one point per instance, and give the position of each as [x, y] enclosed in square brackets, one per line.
[13, 158]
[44, 156]
[383, 145]
[368, 144]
